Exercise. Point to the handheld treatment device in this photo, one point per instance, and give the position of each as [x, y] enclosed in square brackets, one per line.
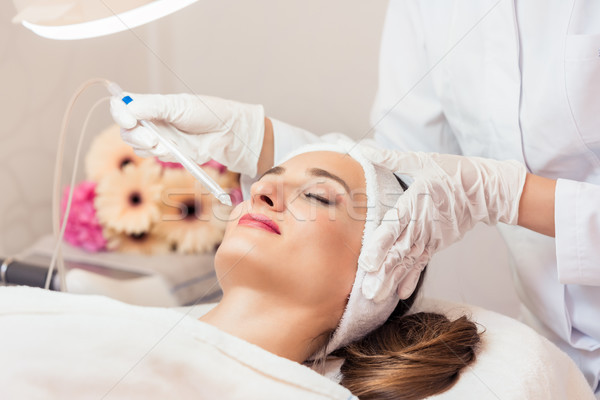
[187, 163]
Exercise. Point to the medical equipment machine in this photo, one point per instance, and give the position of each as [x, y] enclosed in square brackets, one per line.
[22, 273]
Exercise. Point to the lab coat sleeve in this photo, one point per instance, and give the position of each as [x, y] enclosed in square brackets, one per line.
[577, 226]
[287, 138]
[407, 114]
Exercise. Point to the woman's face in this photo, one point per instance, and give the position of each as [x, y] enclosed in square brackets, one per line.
[298, 237]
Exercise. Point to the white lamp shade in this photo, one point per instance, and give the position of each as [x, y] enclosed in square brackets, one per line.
[82, 19]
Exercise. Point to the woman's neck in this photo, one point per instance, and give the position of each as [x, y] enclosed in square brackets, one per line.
[291, 332]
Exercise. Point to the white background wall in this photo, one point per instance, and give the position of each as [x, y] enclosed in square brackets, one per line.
[309, 62]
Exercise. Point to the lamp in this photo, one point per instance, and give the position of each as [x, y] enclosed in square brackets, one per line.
[82, 19]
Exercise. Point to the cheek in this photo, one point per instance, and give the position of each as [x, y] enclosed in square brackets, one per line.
[334, 241]
[233, 249]
[329, 259]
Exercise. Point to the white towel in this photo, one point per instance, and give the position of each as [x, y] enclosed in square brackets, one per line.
[66, 346]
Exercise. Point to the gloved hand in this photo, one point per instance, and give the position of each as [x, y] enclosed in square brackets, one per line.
[449, 195]
[202, 127]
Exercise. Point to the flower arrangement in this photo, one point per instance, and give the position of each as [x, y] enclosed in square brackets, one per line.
[133, 204]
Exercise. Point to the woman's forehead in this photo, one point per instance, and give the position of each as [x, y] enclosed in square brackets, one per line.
[340, 164]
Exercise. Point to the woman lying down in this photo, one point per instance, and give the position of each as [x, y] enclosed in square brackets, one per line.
[293, 295]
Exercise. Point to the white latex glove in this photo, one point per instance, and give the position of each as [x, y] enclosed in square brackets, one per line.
[202, 127]
[449, 195]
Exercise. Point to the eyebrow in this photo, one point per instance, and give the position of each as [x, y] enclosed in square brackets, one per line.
[311, 171]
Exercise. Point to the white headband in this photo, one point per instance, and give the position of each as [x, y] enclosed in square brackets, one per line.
[363, 315]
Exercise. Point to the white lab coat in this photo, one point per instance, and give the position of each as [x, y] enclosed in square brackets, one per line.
[508, 80]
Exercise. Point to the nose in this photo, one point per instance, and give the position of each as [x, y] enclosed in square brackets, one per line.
[267, 194]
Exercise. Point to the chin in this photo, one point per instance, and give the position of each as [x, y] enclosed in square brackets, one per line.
[246, 259]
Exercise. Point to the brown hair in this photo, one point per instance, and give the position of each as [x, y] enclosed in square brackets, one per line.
[409, 357]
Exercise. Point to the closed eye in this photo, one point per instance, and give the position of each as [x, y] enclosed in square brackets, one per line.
[318, 198]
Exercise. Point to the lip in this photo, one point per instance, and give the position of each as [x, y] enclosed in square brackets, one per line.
[259, 221]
